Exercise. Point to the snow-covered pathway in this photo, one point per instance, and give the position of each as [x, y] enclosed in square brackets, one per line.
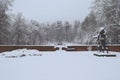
[59, 65]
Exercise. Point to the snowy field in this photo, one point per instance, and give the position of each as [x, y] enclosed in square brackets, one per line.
[58, 65]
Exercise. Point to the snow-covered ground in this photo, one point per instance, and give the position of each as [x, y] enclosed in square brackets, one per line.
[58, 65]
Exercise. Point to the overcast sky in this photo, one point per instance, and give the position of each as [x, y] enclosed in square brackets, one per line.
[52, 10]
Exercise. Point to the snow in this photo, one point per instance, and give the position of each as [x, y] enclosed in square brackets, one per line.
[58, 65]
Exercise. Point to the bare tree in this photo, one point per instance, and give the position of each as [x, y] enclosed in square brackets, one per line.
[4, 20]
[108, 15]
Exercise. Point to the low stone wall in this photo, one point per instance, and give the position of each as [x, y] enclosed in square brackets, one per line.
[52, 48]
[40, 48]
[90, 48]
[114, 48]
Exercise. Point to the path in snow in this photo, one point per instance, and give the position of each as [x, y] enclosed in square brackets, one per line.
[59, 65]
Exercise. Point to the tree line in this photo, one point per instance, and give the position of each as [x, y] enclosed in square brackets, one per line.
[17, 30]
[104, 13]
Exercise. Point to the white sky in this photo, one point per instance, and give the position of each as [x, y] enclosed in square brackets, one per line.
[52, 10]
